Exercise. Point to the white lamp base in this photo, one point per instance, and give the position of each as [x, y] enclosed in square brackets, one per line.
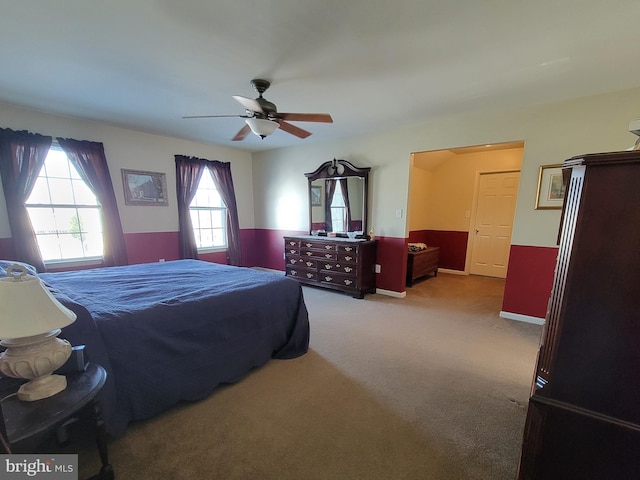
[35, 358]
[42, 387]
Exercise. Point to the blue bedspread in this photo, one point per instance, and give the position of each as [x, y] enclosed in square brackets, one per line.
[173, 331]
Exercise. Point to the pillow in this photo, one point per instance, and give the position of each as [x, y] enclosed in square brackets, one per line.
[4, 264]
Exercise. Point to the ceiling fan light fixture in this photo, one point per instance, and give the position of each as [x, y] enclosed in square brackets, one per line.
[262, 127]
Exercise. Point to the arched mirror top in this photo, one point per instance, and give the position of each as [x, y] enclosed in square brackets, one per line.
[336, 169]
[338, 194]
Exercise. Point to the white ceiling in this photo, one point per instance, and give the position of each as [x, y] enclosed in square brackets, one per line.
[372, 64]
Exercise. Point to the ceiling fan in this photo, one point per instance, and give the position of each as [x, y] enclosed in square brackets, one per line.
[262, 116]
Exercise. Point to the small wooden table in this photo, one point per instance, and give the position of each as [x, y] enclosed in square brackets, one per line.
[27, 424]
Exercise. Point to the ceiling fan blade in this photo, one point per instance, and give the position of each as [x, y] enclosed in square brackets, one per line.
[249, 103]
[306, 117]
[241, 133]
[293, 130]
[216, 116]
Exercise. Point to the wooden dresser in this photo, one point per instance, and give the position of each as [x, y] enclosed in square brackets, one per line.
[336, 263]
[421, 263]
[583, 419]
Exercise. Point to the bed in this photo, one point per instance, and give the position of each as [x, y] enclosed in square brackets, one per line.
[173, 331]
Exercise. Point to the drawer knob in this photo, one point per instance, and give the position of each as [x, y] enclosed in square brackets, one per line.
[328, 279]
[293, 272]
[292, 261]
[327, 266]
[348, 282]
[348, 249]
[348, 269]
[328, 255]
[309, 254]
[309, 264]
[348, 258]
[308, 245]
[328, 247]
[309, 275]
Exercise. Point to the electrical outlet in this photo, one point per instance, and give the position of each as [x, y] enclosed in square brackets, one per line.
[378, 268]
[161, 260]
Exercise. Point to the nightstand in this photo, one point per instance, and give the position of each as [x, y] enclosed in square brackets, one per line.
[27, 424]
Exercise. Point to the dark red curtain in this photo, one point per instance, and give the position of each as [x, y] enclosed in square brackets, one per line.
[22, 156]
[221, 172]
[188, 173]
[91, 163]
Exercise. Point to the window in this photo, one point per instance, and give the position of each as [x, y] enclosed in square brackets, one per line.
[338, 210]
[208, 215]
[64, 212]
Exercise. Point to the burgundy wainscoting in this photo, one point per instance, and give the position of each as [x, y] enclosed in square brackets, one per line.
[6, 248]
[529, 280]
[453, 246]
[392, 258]
[248, 247]
[151, 246]
[269, 247]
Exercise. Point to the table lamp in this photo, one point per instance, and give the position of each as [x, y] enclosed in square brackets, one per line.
[30, 321]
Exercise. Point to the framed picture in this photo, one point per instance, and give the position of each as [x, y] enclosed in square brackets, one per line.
[316, 196]
[144, 188]
[550, 187]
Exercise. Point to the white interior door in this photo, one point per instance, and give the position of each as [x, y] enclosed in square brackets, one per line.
[496, 206]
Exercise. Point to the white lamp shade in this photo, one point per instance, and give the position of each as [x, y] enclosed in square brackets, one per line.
[261, 127]
[27, 308]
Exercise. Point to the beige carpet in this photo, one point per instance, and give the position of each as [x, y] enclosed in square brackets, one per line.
[433, 386]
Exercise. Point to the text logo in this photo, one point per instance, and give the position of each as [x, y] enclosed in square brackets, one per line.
[43, 466]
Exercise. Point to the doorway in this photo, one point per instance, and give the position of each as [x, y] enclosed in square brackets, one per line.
[443, 199]
[490, 236]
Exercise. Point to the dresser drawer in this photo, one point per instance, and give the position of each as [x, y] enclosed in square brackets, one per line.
[291, 250]
[291, 243]
[314, 245]
[301, 273]
[349, 249]
[293, 260]
[308, 263]
[319, 254]
[348, 257]
[347, 281]
[340, 267]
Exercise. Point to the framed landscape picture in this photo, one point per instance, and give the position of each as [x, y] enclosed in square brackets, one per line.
[550, 187]
[316, 196]
[144, 188]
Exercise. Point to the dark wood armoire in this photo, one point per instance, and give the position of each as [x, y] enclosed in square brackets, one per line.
[583, 418]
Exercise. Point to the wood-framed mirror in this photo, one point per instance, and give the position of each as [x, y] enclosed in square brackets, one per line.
[338, 195]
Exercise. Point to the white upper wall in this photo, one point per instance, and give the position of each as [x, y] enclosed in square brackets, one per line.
[271, 188]
[448, 194]
[138, 151]
[552, 133]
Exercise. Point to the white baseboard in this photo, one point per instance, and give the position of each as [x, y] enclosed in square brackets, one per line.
[264, 269]
[391, 293]
[522, 318]
[452, 272]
